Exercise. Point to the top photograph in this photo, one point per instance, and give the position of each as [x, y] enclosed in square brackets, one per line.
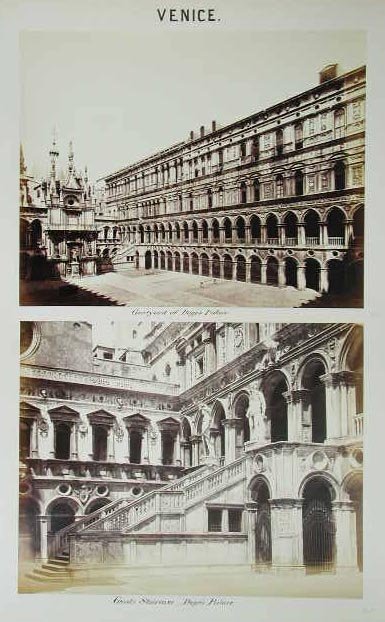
[201, 169]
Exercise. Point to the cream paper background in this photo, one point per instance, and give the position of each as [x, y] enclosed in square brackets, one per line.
[260, 15]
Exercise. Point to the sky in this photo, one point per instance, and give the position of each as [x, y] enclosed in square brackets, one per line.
[121, 96]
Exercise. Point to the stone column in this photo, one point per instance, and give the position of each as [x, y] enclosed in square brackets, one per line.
[348, 233]
[286, 534]
[281, 235]
[324, 280]
[110, 445]
[173, 262]
[251, 509]
[248, 271]
[263, 273]
[247, 234]
[34, 439]
[74, 442]
[263, 234]
[233, 270]
[225, 520]
[200, 234]
[340, 400]
[221, 269]
[185, 446]
[345, 539]
[195, 443]
[301, 234]
[298, 416]
[301, 278]
[43, 520]
[281, 274]
[221, 235]
[324, 238]
[231, 429]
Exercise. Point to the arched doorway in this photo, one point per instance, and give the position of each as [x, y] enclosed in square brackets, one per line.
[36, 233]
[291, 272]
[194, 263]
[274, 388]
[216, 267]
[185, 433]
[240, 227]
[147, 260]
[215, 229]
[241, 268]
[177, 262]
[358, 225]
[272, 229]
[272, 271]
[61, 515]
[205, 230]
[354, 490]
[218, 430]
[336, 227]
[312, 274]
[255, 229]
[186, 263]
[260, 494]
[312, 228]
[156, 259]
[228, 229]
[241, 407]
[290, 226]
[227, 267]
[255, 270]
[318, 525]
[194, 230]
[317, 399]
[162, 260]
[336, 276]
[205, 265]
[169, 260]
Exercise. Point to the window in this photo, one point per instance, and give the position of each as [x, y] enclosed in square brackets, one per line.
[235, 520]
[298, 183]
[298, 136]
[356, 111]
[62, 441]
[243, 193]
[107, 356]
[256, 190]
[242, 150]
[214, 519]
[339, 123]
[279, 142]
[324, 118]
[279, 186]
[209, 198]
[200, 366]
[311, 127]
[255, 148]
[135, 447]
[339, 176]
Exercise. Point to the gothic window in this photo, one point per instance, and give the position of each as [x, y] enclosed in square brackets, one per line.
[256, 190]
[279, 186]
[298, 183]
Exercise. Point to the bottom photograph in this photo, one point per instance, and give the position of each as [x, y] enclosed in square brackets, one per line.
[191, 458]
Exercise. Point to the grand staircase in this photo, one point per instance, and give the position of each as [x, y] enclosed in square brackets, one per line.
[132, 515]
[119, 260]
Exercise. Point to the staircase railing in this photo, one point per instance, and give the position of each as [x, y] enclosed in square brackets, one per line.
[169, 499]
[59, 541]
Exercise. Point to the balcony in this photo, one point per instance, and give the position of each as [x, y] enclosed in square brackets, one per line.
[69, 469]
[312, 241]
[272, 241]
[71, 227]
[291, 241]
[332, 241]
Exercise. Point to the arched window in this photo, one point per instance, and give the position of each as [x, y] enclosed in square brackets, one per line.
[339, 123]
[242, 149]
[255, 148]
[209, 198]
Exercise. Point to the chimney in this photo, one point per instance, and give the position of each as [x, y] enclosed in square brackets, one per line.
[213, 126]
[328, 73]
[191, 135]
[202, 131]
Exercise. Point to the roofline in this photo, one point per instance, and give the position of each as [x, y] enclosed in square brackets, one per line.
[234, 123]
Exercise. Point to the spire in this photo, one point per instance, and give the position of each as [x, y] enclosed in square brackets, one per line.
[54, 154]
[71, 159]
[23, 168]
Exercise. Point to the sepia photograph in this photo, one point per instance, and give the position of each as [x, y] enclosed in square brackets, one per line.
[191, 458]
[180, 173]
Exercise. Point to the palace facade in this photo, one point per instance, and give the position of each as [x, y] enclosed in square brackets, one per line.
[276, 197]
[191, 444]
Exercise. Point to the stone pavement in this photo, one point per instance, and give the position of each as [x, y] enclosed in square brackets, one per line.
[205, 581]
[157, 288]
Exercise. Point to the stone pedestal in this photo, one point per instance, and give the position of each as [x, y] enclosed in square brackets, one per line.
[286, 534]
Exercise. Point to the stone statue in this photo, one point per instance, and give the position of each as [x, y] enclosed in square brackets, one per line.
[208, 441]
[257, 413]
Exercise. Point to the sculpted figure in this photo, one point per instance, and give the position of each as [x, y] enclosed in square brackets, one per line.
[208, 444]
[256, 413]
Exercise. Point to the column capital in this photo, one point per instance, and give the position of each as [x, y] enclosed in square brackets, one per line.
[340, 378]
[285, 503]
[296, 396]
[251, 506]
[232, 423]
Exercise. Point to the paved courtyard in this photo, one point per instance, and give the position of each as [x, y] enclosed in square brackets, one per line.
[157, 288]
[204, 581]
